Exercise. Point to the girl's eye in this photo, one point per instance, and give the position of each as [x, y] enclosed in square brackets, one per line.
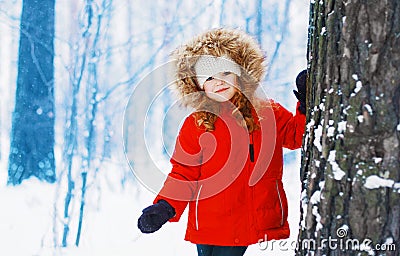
[226, 73]
[210, 78]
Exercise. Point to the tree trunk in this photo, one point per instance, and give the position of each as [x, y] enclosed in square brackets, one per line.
[32, 139]
[350, 168]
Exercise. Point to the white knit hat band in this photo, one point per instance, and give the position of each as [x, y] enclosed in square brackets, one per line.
[208, 66]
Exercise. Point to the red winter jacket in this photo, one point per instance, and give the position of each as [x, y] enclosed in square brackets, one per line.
[235, 197]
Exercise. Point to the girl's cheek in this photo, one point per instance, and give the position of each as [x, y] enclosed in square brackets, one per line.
[208, 87]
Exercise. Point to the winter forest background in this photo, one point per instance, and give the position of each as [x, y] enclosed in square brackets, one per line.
[103, 49]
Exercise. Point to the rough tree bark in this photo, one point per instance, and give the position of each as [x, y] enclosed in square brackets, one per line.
[32, 139]
[350, 166]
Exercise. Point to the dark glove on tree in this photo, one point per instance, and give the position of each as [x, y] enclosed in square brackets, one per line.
[154, 216]
[301, 90]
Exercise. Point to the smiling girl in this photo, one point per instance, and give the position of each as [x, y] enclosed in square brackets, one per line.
[228, 161]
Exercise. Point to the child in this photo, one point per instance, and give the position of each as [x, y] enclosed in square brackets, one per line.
[227, 163]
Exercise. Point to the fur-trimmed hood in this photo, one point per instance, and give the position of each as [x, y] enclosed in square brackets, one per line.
[235, 44]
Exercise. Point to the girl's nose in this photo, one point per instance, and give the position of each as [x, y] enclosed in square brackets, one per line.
[218, 81]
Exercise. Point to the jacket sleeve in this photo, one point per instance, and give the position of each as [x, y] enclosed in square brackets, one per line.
[290, 128]
[181, 183]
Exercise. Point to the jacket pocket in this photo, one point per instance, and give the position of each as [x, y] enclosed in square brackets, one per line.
[271, 205]
[196, 211]
[280, 203]
[210, 213]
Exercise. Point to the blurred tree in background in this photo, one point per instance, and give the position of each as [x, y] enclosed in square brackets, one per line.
[32, 138]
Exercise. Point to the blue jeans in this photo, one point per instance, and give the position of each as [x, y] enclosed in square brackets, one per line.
[215, 250]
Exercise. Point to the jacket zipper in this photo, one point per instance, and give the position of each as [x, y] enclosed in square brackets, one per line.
[251, 148]
[280, 202]
[197, 206]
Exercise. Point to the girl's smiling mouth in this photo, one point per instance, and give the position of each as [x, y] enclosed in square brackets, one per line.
[222, 89]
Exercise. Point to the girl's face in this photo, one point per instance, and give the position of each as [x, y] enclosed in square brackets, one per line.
[221, 87]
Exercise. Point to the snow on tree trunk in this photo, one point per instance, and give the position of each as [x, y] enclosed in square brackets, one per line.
[32, 139]
[350, 167]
